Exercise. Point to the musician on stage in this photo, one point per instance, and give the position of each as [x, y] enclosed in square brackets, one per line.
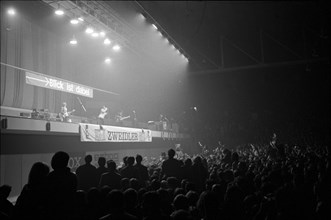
[102, 115]
[64, 114]
[119, 118]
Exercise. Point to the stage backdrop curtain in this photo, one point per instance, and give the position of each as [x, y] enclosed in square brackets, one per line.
[29, 46]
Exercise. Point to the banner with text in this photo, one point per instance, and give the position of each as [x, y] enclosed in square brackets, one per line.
[51, 82]
[104, 133]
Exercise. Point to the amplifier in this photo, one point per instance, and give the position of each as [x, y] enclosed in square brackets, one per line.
[25, 114]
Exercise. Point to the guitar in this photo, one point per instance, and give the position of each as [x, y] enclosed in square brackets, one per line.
[66, 114]
[119, 118]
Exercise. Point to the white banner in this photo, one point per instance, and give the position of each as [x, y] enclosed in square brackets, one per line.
[105, 133]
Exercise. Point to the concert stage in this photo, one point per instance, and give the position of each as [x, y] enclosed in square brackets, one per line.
[25, 141]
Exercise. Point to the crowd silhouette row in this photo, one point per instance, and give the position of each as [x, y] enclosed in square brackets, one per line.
[274, 181]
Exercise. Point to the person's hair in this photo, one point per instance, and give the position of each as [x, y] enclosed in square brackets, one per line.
[181, 202]
[115, 200]
[130, 161]
[139, 158]
[171, 153]
[5, 191]
[88, 159]
[111, 165]
[60, 160]
[130, 197]
[38, 173]
[188, 162]
[101, 161]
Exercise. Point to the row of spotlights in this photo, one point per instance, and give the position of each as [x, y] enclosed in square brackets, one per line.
[167, 41]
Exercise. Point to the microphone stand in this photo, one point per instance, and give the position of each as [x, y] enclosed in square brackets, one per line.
[80, 102]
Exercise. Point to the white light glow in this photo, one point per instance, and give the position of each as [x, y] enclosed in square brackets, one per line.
[11, 11]
[89, 30]
[173, 47]
[74, 21]
[142, 16]
[107, 60]
[95, 34]
[73, 41]
[102, 34]
[81, 19]
[166, 40]
[107, 41]
[154, 26]
[116, 47]
[59, 12]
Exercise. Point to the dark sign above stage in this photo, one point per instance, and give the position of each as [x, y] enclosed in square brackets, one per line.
[51, 82]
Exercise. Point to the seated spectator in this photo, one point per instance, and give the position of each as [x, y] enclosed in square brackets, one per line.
[151, 207]
[131, 199]
[115, 201]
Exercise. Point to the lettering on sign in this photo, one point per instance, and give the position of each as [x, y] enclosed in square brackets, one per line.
[57, 84]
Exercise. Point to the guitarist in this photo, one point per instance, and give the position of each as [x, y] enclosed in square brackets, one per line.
[64, 114]
[119, 118]
[102, 115]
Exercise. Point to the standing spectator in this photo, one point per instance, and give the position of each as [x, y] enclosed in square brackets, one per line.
[62, 186]
[200, 174]
[171, 166]
[129, 171]
[87, 175]
[6, 207]
[31, 202]
[102, 168]
[142, 173]
[111, 178]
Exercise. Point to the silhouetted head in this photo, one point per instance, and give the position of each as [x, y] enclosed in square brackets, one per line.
[130, 197]
[60, 160]
[88, 159]
[139, 158]
[130, 161]
[101, 161]
[38, 173]
[181, 202]
[4, 191]
[171, 153]
[111, 165]
[115, 200]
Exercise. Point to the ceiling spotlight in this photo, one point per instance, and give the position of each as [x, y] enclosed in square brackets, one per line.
[116, 47]
[74, 21]
[73, 41]
[59, 11]
[173, 47]
[95, 34]
[154, 26]
[102, 34]
[89, 30]
[81, 19]
[107, 60]
[11, 11]
[107, 41]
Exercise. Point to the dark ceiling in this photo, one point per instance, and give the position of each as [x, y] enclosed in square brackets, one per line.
[199, 25]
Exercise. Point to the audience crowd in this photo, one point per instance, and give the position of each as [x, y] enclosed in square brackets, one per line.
[272, 181]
